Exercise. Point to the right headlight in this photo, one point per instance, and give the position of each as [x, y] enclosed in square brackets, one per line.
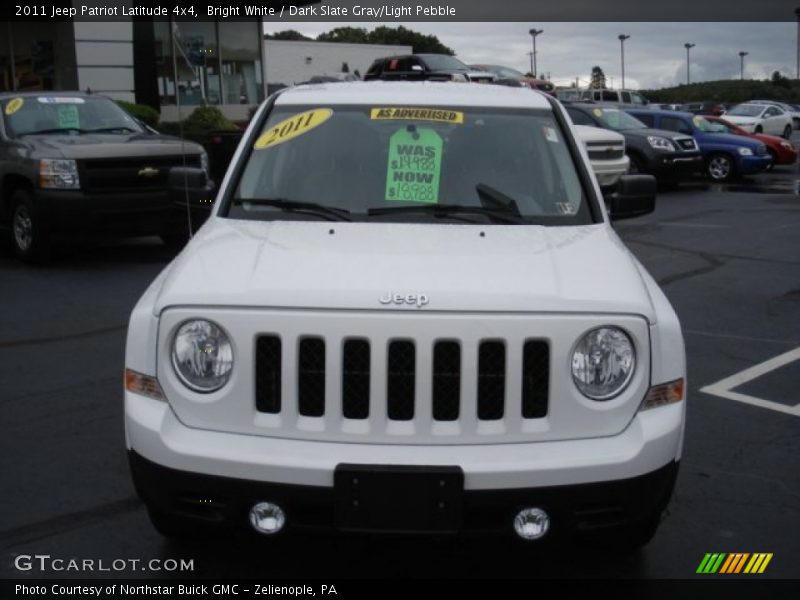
[60, 174]
[660, 143]
[745, 151]
[603, 363]
[202, 355]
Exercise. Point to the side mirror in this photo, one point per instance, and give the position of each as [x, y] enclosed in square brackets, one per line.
[635, 196]
[190, 185]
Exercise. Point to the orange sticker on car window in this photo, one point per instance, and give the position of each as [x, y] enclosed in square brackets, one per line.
[292, 127]
[14, 105]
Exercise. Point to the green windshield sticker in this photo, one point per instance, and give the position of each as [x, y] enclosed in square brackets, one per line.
[415, 163]
[68, 117]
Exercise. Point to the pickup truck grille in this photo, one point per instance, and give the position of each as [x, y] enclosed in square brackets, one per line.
[130, 174]
[398, 377]
[605, 150]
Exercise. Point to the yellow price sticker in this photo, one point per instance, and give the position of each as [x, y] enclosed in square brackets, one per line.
[14, 105]
[597, 112]
[292, 127]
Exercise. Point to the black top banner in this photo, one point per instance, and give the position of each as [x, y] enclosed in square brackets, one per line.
[409, 10]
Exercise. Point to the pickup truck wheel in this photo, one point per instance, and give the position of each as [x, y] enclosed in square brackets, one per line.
[787, 132]
[720, 167]
[29, 235]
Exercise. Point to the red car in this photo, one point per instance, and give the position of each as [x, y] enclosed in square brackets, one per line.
[783, 152]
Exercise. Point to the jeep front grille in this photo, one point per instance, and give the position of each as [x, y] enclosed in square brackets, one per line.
[448, 376]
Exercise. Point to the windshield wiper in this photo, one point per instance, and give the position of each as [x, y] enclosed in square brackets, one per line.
[328, 212]
[55, 130]
[112, 129]
[449, 210]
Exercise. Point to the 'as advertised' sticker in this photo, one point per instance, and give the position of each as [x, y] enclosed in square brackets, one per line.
[417, 114]
[60, 100]
[415, 162]
[292, 127]
[14, 105]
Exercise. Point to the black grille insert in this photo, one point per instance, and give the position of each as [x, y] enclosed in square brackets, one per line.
[400, 380]
[446, 381]
[268, 374]
[355, 379]
[535, 379]
[491, 380]
[311, 377]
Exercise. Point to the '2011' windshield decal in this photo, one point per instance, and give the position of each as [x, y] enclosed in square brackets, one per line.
[415, 164]
[14, 105]
[294, 126]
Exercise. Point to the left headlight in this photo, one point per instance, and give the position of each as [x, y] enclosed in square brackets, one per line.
[745, 151]
[204, 162]
[58, 174]
[660, 143]
[202, 355]
[603, 363]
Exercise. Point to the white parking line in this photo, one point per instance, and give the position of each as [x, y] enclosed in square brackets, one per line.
[724, 387]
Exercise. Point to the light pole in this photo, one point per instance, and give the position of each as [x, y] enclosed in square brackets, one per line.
[741, 64]
[797, 14]
[622, 37]
[688, 46]
[534, 33]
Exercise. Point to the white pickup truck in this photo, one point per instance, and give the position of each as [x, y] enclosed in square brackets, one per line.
[408, 313]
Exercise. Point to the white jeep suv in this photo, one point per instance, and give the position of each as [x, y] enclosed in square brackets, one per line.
[408, 313]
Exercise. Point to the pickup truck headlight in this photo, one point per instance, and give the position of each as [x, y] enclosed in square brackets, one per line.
[202, 355]
[58, 174]
[745, 151]
[204, 162]
[603, 363]
[660, 143]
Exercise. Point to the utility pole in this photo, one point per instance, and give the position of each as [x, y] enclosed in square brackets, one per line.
[534, 33]
[688, 47]
[741, 64]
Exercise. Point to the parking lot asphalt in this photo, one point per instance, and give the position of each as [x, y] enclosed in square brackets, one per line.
[728, 258]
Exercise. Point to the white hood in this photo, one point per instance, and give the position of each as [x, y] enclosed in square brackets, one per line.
[335, 265]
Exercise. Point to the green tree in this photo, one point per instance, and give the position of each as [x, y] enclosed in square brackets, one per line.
[345, 67]
[386, 36]
[289, 34]
[598, 79]
[780, 80]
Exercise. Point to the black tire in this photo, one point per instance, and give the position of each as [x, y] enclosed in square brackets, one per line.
[787, 132]
[774, 158]
[759, 129]
[720, 167]
[30, 237]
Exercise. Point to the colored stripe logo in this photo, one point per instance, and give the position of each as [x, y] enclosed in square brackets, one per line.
[734, 563]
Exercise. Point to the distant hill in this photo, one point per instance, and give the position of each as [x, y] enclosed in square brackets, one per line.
[729, 90]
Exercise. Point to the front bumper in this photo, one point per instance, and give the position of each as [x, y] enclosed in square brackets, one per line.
[674, 166]
[134, 212]
[218, 476]
[750, 165]
[609, 171]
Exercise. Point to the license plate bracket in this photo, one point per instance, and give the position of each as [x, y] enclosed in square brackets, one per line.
[398, 498]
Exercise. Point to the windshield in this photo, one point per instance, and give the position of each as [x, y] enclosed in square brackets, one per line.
[617, 119]
[747, 110]
[31, 115]
[443, 62]
[505, 72]
[411, 164]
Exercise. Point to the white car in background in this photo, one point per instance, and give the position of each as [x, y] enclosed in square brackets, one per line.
[761, 118]
[791, 110]
[606, 151]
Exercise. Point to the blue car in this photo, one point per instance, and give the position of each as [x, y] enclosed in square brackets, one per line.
[726, 156]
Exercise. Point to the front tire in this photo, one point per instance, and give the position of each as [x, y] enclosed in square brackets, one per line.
[758, 129]
[787, 132]
[720, 168]
[30, 237]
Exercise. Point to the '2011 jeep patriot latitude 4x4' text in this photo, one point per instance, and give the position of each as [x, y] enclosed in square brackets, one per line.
[408, 312]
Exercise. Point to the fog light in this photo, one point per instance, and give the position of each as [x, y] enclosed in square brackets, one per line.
[267, 518]
[531, 523]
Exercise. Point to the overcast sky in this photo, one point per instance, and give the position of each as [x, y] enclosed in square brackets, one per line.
[654, 55]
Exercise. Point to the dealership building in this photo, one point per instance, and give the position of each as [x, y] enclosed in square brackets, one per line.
[169, 65]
